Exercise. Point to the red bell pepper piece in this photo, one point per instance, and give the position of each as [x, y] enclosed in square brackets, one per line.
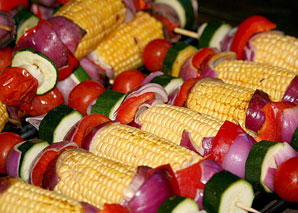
[5, 58]
[184, 90]
[8, 5]
[271, 129]
[114, 208]
[73, 63]
[201, 58]
[224, 139]
[86, 125]
[142, 4]
[128, 109]
[249, 27]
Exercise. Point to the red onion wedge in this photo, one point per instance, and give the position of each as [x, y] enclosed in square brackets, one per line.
[269, 178]
[51, 178]
[210, 69]
[69, 33]
[235, 159]
[35, 121]
[289, 123]
[188, 70]
[225, 44]
[285, 153]
[7, 35]
[65, 86]
[88, 208]
[153, 192]
[291, 93]
[151, 76]
[94, 71]
[173, 95]
[255, 117]
[48, 3]
[187, 142]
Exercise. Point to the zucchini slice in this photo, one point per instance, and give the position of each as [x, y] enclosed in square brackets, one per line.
[40, 66]
[259, 160]
[107, 103]
[175, 58]
[29, 150]
[25, 20]
[224, 190]
[184, 10]
[57, 122]
[294, 141]
[169, 83]
[178, 204]
[213, 34]
[79, 75]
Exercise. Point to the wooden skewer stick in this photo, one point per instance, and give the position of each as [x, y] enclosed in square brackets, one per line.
[186, 32]
[246, 208]
[3, 27]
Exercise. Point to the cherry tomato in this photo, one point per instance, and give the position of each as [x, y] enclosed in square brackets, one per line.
[5, 58]
[128, 80]
[7, 142]
[7, 5]
[17, 86]
[154, 53]
[41, 104]
[83, 94]
[114, 208]
[286, 180]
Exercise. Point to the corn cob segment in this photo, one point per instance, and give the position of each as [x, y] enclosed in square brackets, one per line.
[271, 79]
[20, 196]
[169, 122]
[277, 50]
[220, 100]
[136, 147]
[122, 49]
[97, 18]
[96, 180]
[3, 116]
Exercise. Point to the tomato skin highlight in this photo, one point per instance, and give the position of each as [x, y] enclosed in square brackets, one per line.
[128, 80]
[7, 141]
[17, 86]
[5, 58]
[286, 180]
[83, 94]
[41, 104]
[154, 53]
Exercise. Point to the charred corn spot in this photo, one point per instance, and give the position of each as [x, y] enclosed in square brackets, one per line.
[122, 49]
[135, 147]
[93, 179]
[230, 101]
[23, 197]
[277, 49]
[3, 116]
[271, 79]
[97, 18]
[169, 122]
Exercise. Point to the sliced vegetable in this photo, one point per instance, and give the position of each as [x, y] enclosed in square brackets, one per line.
[183, 91]
[58, 122]
[5, 58]
[169, 83]
[224, 190]
[178, 204]
[128, 80]
[40, 67]
[9, 5]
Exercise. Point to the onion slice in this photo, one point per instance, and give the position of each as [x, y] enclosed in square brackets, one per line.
[225, 44]
[187, 142]
[291, 93]
[36, 120]
[289, 123]
[188, 70]
[151, 76]
[284, 154]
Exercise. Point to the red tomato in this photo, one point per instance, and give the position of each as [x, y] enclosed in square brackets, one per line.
[286, 180]
[8, 5]
[114, 208]
[17, 86]
[7, 142]
[128, 80]
[5, 58]
[41, 104]
[154, 53]
[83, 94]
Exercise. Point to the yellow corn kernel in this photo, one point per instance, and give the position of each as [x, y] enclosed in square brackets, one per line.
[97, 18]
[3, 116]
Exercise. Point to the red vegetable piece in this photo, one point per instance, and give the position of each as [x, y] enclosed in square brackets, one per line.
[86, 125]
[271, 129]
[184, 90]
[128, 80]
[7, 142]
[8, 5]
[286, 180]
[142, 4]
[189, 180]
[249, 27]
[83, 94]
[5, 58]
[154, 53]
[17, 86]
[128, 109]
[224, 139]
[73, 63]
[114, 208]
[41, 104]
[201, 58]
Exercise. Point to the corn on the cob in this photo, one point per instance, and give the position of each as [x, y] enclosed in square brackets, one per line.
[122, 49]
[220, 100]
[20, 196]
[169, 122]
[276, 49]
[271, 79]
[97, 18]
[3, 116]
[93, 179]
[136, 147]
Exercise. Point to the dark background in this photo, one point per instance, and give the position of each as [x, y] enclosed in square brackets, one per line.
[283, 13]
